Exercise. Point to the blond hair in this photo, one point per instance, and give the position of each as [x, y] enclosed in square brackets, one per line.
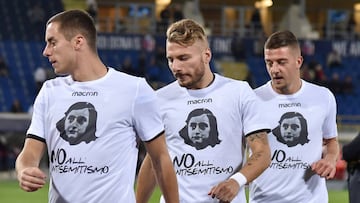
[186, 32]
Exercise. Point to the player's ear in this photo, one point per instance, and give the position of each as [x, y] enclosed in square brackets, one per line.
[207, 55]
[79, 41]
[299, 61]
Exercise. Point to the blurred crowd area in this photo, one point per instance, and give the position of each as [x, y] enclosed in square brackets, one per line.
[331, 19]
[248, 18]
[132, 35]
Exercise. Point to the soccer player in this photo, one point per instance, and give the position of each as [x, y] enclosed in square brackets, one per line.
[207, 119]
[303, 140]
[88, 122]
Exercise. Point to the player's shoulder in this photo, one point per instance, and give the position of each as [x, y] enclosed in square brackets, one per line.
[124, 76]
[58, 81]
[263, 89]
[315, 88]
[169, 90]
[226, 79]
[231, 84]
[122, 80]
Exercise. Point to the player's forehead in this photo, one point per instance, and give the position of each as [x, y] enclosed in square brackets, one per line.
[277, 53]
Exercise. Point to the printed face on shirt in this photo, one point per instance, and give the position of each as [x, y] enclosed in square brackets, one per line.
[76, 122]
[199, 128]
[290, 129]
[79, 123]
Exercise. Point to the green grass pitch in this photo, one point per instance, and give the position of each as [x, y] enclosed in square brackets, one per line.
[11, 193]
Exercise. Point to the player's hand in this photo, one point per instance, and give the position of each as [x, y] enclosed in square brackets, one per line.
[31, 179]
[225, 191]
[324, 168]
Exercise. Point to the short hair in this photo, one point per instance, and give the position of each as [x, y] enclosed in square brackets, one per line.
[73, 22]
[186, 32]
[282, 39]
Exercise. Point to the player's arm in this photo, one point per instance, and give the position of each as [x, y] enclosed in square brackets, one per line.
[326, 167]
[260, 157]
[163, 170]
[146, 181]
[29, 175]
[258, 161]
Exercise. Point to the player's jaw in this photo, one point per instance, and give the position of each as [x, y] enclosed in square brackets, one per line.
[183, 79]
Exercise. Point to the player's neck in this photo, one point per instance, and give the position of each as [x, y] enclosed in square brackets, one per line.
[212, 80]
[90, 72]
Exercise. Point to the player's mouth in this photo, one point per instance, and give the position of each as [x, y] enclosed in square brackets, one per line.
[277, 78]
[52, 62]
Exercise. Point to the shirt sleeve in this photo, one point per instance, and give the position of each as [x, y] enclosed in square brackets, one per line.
[147, 118]
[252, 112]
[330, 126]
[36, 127]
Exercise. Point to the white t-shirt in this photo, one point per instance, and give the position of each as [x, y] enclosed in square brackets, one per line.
[204, 131]
[90, 130]
[299, 123]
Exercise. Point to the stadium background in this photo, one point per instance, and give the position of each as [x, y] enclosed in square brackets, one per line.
[128, 30]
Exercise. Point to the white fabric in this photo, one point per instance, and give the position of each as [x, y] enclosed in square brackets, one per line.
[100, 169]
[235, 108]
[239, 178]
[286, 179]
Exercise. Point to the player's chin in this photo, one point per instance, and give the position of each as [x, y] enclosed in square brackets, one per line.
[183, 83]
[60, 71]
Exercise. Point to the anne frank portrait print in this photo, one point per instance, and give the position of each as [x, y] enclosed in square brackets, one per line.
[292, 129]
[79, 123]
[200, 130]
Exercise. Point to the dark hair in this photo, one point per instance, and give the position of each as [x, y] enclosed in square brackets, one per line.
[73, 22]
[282, 39]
